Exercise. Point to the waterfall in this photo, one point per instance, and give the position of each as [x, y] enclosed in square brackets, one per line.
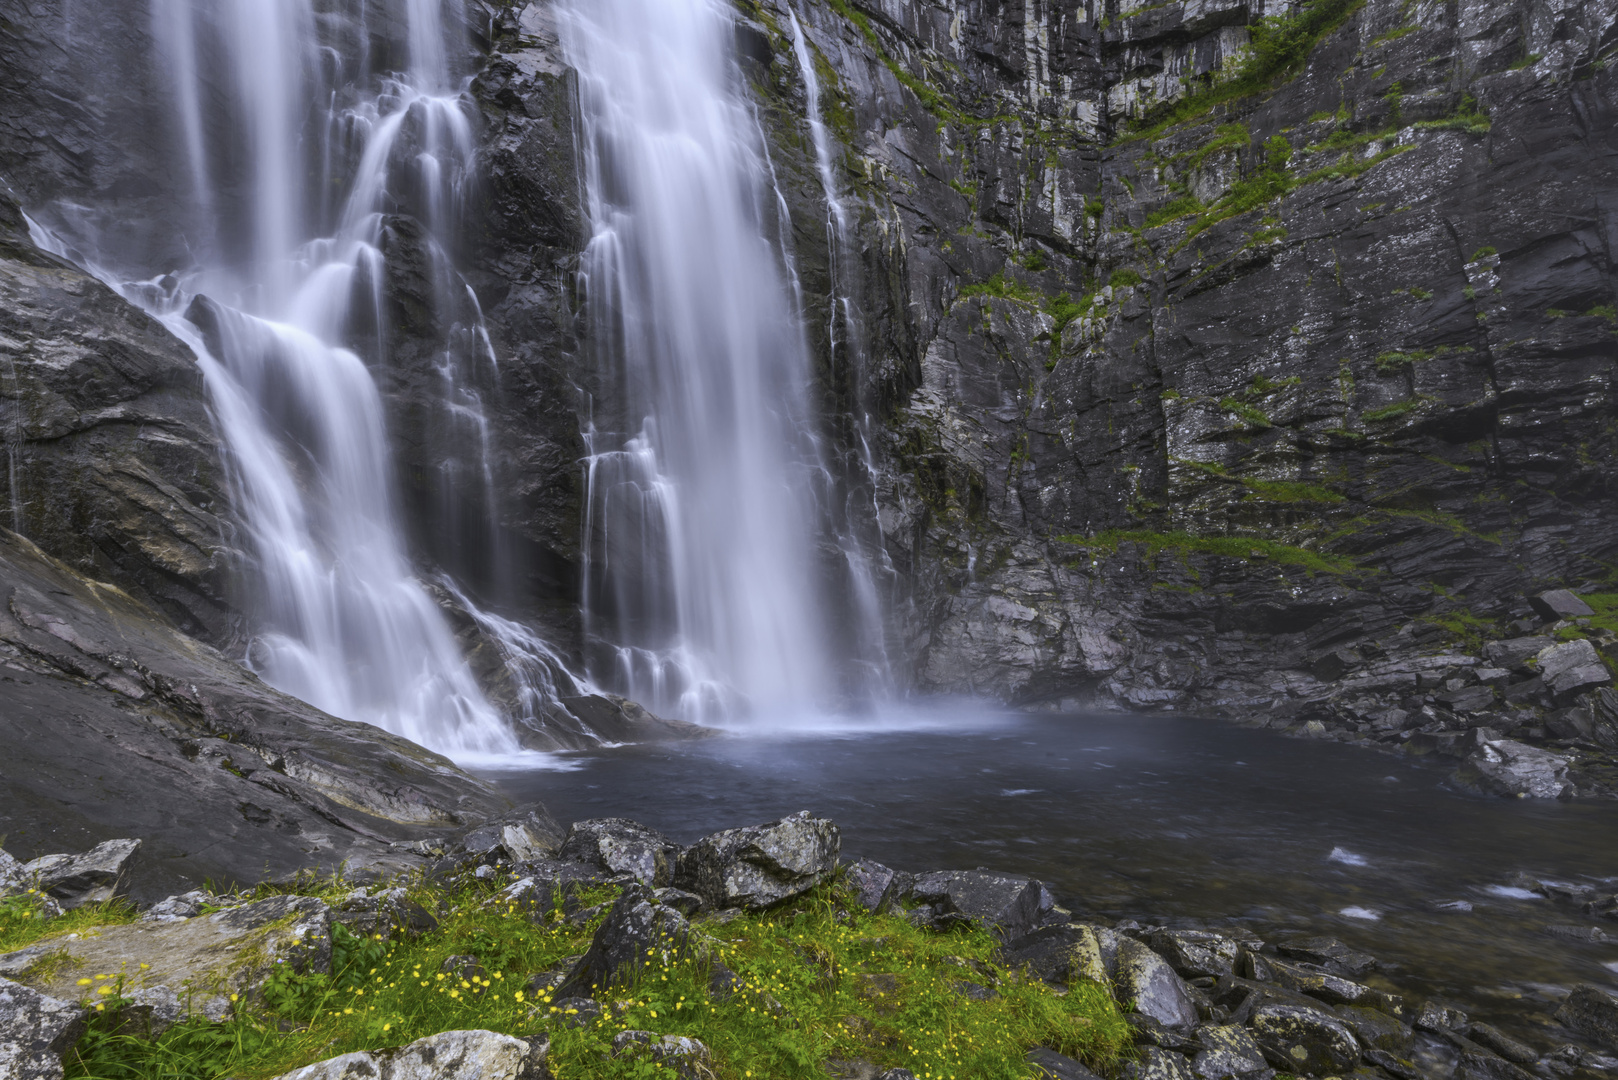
[705, 572]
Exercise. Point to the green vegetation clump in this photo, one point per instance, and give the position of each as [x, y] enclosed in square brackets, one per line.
[1482, 253]
[1230, 547]
[1003, 287]
[818, 978]
[1603, 311]
[23, 921]
[1390, 412]
[1121, 278]
[1289, 491]
[1394, 35]
[1527, 61]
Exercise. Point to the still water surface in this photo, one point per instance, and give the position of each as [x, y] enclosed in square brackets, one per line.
[1165, 820]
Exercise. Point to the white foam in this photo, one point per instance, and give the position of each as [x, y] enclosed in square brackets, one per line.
[1360, 913]
[1346, 857]
[1511, 892]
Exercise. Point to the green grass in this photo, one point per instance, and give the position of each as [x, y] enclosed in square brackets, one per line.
[1005, 288]
[1390, 412]
[1527, 61]
[806, 997]
[1184, 206]
[22, 923]
[1289, 491]
[1251, 415]
[1279, 48]
[1394, 35]
[1229, 547]
[1121, 278]
[1483, 253]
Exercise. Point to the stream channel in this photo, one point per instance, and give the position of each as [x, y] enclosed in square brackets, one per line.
[1177, 821]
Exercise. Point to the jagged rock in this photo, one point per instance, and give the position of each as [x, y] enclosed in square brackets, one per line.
[1155, 1063]
[617, 719]
[1316, 982]
[1198, 953]
[1479, 1065]
[1492, 1038]
[636, 933]
[687, 904]
[1060, 954]
[1226, 1051]
[1048, 1063]
[1145, 981]
[1377, 1030]
[384, 915]
[35, 1031]
[13, 879]
[872, 884]
[1010, 904]
[203, 960]
[449, 1055]
[1592, 1012]
[1571, 668]
[1329, 954]
[178, 908]
[1304, 1040]
[1557, 604]
[94, 877]
[1507, 767]
[681, 1055]
[621, 846]
[1515, 653]
[760, 865]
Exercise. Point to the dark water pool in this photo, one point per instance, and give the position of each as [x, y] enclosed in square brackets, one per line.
[1185, 821]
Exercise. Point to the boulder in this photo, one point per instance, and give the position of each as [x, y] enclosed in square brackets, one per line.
[621, 846]
[684, 1057]
[686, 903]
[1048, 1063]
[383, 916]
[202, 960]
[1061, 954]
[1514, 654]
[1558, 604]
[1155, 1063]
[94, 877]
[1197, 953]
[1377, 1030]
[1492, 1038]
[1226, 1051]
[1481, 1065]
[638, 932]
[1571, 668]
[871, 883]
[1145, 981]
[179, 908]
[449, 1055]
[1010, 904]
[35, 1031]
[1315, 982]
[13, 879]
[1593, 1013]
[760, 865]
[1328, 954]
[1304, 1040]
[1510, 768]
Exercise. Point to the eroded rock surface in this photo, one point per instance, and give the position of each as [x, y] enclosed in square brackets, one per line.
[760, 865]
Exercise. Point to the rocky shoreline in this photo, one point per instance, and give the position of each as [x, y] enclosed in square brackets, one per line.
[1201, 1004]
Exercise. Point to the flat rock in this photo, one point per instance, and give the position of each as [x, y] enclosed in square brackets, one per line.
[1558, 604]
[35, 1031]
[528, 836]
[621, 846]
[449, 1055]
[94, 877]
[1059, 954]
[1197, 953]
[1304, 1040]
[202, 960]
[1509, 768]
[1571, 668]
[1515, 653]
[1593, 1013]
[637, 932]
[1155, 1063]
[1145, 981]
[684, 1056]
[1226, 1051]
[1010, 904]
[1375, 1029]
[1328, 953]
[1049, 1063]
[12, 877]
[760, 865]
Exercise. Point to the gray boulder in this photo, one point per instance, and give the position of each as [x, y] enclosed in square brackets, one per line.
[637, 932]
[621, 846]
[13, 879]
[449, 1055]
[1145, 981]
[1155, 1063]
[1514, 654]
[1571, 668]
[1198, 953]
[1593, 1013]
[1482, 1065]
[1304, 1040]
[1011, 904]
[1558, 604]
[872, 884]
[1510, 768]
[1061, 954]
[760, 865]
[1048, 1063]
[178, 908]
[683, 1056]
[1226, 1051]
[94, 877]
[1377, 1030]
[35, 1031]
[1329, 954]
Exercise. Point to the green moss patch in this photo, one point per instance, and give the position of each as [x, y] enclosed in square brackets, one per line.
[1229, 547]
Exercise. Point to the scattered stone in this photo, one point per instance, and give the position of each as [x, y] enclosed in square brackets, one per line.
[1329, 954]
[1155, 1063]
[687, 904]
[203, 959]
[574, 1012]
[1198, 953]
[1471, 699]
[1304, 1040]
[1145, 981]
[449, 1055]
[760, 865]
[35, 1031]
[1493, 1038]
[1377, 1030]
[1056, 1066]
[465, 967]
[872, 884]
[723, 983]
[1400, 1067]
[528, 836]
[1570, 932]
[621, 846]
[1510, 768]
[94, 877]
[1481, 1065]
[1592, 1012]
[13, 878]
[178, 908]
[1011, 904]
[1226, 1051]
[636, 933]
[1515, 653]
[1558, 604]
[683, 1056]
[974, 991]
[1058, 954]
[1320, 984]
[1571, 668]
[388, 913]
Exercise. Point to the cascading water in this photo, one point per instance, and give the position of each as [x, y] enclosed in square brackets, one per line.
[318, 135]
[704, 576]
